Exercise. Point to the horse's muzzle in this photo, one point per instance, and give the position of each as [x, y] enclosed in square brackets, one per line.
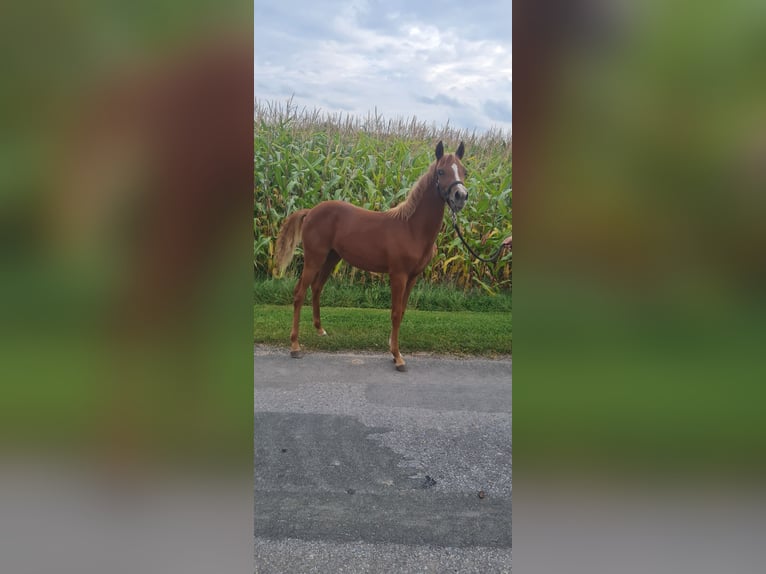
[458, 198]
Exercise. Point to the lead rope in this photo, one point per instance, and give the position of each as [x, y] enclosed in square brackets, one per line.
[492, 259]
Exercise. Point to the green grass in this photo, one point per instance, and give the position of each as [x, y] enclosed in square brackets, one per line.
[455, 332]
[424, 296]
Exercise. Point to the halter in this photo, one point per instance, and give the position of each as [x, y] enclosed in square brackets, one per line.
[444, 194]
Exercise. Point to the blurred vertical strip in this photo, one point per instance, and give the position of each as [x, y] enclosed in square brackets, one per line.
[640, 188]
[125, 301]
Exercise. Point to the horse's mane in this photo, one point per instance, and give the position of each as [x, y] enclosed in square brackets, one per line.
[407, 207]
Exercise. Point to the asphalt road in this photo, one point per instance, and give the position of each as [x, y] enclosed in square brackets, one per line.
[359, 468]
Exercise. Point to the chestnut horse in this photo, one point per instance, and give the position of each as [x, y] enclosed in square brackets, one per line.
[399, 242]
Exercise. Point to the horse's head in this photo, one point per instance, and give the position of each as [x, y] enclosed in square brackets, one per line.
[450, 174]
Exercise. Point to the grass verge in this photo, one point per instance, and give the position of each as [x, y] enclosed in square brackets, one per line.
[457, 332]
[425, 296]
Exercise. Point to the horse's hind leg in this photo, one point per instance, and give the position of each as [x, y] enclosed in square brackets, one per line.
[318, 284]
[311, 266]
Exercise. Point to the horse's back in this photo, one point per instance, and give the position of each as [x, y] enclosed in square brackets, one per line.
[358, 235]
[340, 207]
[341, 213]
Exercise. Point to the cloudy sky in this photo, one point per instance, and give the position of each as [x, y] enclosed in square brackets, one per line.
[437, 61]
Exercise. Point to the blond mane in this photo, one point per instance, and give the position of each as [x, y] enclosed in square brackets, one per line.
[407, 207]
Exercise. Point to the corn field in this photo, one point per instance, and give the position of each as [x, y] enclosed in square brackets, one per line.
[303, 157]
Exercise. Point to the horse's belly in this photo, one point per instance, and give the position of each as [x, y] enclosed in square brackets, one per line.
[366, 260]
[379, 261]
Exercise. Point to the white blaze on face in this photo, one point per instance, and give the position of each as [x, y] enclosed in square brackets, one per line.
[460, 187]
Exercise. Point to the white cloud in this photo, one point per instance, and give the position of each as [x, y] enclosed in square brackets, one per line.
[393, 61]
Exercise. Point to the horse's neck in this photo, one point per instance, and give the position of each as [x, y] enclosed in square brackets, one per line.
[427, 217]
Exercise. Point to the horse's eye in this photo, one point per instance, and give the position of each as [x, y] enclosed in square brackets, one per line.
[441, 172]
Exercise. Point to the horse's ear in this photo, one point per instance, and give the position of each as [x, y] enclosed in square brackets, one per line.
[439, 150]
[460, 151]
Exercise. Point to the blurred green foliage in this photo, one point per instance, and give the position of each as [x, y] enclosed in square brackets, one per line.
[72, 217]
[640, 291]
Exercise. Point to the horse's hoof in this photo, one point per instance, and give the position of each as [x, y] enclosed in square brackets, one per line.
[296, 354]
[401, 368]
[322, 333]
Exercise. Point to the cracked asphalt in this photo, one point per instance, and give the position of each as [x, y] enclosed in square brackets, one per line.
[360, 468]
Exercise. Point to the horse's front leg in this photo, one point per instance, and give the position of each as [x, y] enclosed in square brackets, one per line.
[398, 287]
[407, 290]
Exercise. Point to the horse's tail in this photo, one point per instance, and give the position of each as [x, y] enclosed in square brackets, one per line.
[288, 239]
